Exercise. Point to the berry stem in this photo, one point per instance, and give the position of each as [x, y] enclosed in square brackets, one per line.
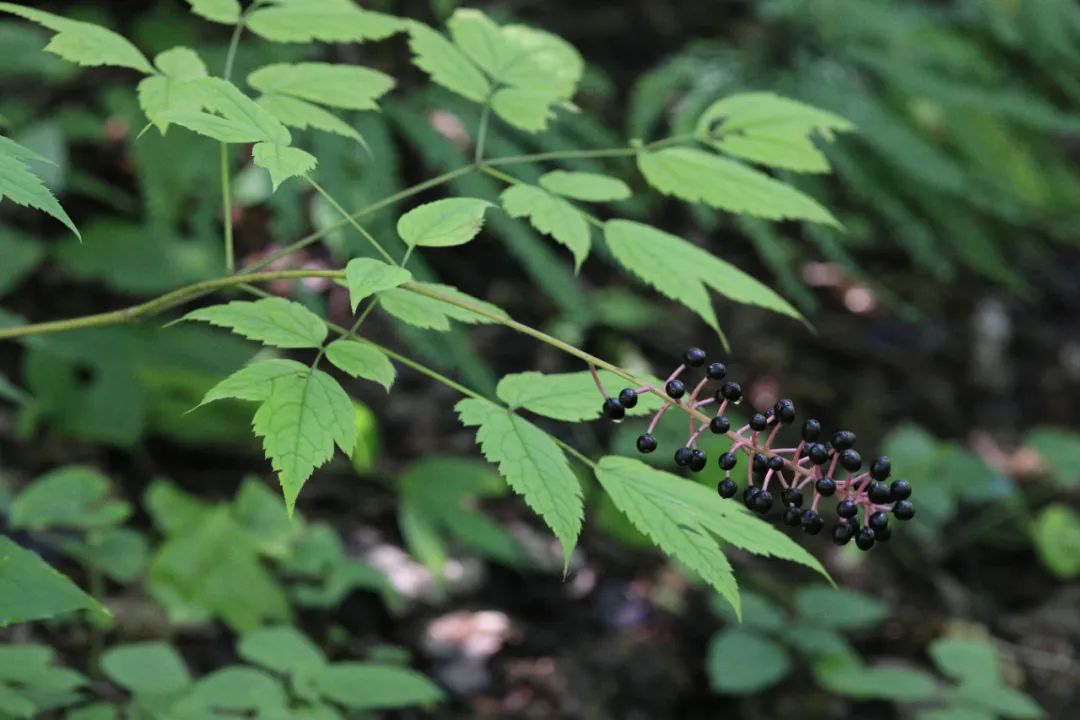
[596, 379]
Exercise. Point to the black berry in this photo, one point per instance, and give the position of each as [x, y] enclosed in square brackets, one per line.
[812, 522]
[879, 520]
[758, 422]
[880, 468]
[903, 510]
[694, 357]
[720, 424]
[846, 509]
[865, 538]
[825, 486]
[776, 463]
[675, 389]
[763, 502]
[716, 371]
[851, 460]
[900, 489]
[760, 462]
[793, 516]
[628, 398]
[728, 460]
[749, 495]
[731, 391]
[843, 439]
[842, 533]
[646, 443]
[883, 534]
[811, 429]
[879, 492]
[698, 458]
[792, 497]
[819, 454]
[785, 411]
[682, 456]
[614, 409]
[727, 488]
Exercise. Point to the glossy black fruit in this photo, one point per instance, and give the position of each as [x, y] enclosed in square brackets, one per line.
[811, 429]
[812, 522]
[728, 460]
[879, 492]
[843, 440]
[646, 443]
[865, 538]
[785, 411]
[758, 422]
[731, 391]
[792, 497]
[716, 371]
[903, 510]
[793, 516]
[842, 533]
[879, 520]
[846, 509]
[682, 456]
[819, 454]
[719, 424]
[825, 486]
[900, 489]
[698, 459]
[851, 460]
[763, 502]
[694, 357]
[727, 488]
[675, 389]
[628, 398]
[880, 468]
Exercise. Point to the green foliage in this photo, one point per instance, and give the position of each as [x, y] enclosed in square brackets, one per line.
[274, 321]
[425, 311]
[980, 687]
[566, 396]
[298, 21]
[366, 276]
[585, 186]
[20, 185]
[30, 685]
[361, 360]
[550, 215]
[83, 43]
[443, 223]
[1060, 449]
[1056, 535]
[742, 662]
[31, 590]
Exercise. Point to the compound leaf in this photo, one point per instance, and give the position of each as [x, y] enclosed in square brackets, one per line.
[253, 382]
[369, 686]
[171, 90]
[84, 43]
[571, 397]
[220, 11]
[446, 64]
[68, 497]
[303, 21]
[433, 313]
[282, 162]
[550, 215]
[23, 187]
[301, 115]
[273, 321]
[280, 648]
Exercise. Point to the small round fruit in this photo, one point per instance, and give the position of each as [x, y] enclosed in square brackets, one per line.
[698, 459]
[727, 488]
[785, 411]
[879, 492]
[825, 486]
[900, 489]
[881, 468]
[682, 456]
[716, 371]
[879, 520]
[719, 424]
[846, 509]
[843, 440]
[776, 463]
[694, 357]
[812, 522]
[792, 497]
[819, 454]
[811, 429]
[883, 534]
[760, 462]
[628, 397]
[614, 409]
[758, 422]
[731, 391]
[851, 460]
[749, 495]
[903, 510]
[793, 516]
[842, 533]
[865, 538]
[728, 460]
[763, 502]
[646, 443]
[675, 389]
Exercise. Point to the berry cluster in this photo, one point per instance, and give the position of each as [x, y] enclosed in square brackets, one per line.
[830, 468]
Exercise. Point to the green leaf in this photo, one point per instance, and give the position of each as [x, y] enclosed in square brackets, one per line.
[741, 662]
[302, 115]
[550, 215]
[368, 686]
[120, 553]
[571, 397]
[446, 64]
[585, 186]
[524, 108]
[966, 660]
[273, 321]
[838, 608]
[84, 43]
[694, 175]
[21, 186]
[148, 668]
[769, 129]
[431, 313]
[954, 713]
[70, 497]
[220, 11]
[367, 276]
[304, 21]
[359, 359]
[230, 117]
[282, 649]
[1057, 540]
[641, 493]
[1060, 449]
[998, 699]
[300, 422]
[258, 510]
[532, 463]
[545, 63]
[255, 381]
[682, 271]
[349, 87]
[22, 255]
[172, 91]
[230, 692]
[481, 40]
[282, 161]
[30, 589]
[854, 680]
[443, 223]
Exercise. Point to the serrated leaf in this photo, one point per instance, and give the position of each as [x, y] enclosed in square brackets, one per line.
[300, 422]
[571, 397]
[545, 62]
[68, 497]
[550, 215]
[694, 175]
[524, 108]
[148, 668]
[21, 186]
[84, 43]
[220, 11]
[443, 223]
[227, 115]
[360, 359]
[369, 686]
[433, 314]
[30, 589]
[585, 186]
[640, 493]
[769, 129]
[253, 382]
[742, 662]
[481, 40]
[367, 276]
[273, 321]
[349, 87]
[446, 64]
[283, 162]
[172, 89]
[533, 465]
[682, 271]
[301, 115]
[303, 21]
[282, 649]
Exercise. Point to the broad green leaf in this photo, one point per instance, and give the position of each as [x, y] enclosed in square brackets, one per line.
[349, 87]
[771, 130]
[282, 648]
[283, 162]
[742, 662]
[22, 254]
[524, 108]
[695, 176]
[481, 39]
[446, 64]
[954, 713]
[172, 89]
[550, 215]
[432, 313]
[84, 43]
[682, 271]
[231, 692]
[273, 321]
[21, 186]
[367, 276]
[1057, 540]
[94, 711]
[838, 608]
[30, 685]
[255, 381]
[300, 422]
[443, 223]
[30, 589]
[545, 63]
[759, 612]
[999, 699]
[258, 510]
[69, 497]
[585, 186]
[148, 668]
[120, 553]
[642, 494]
[302, 115]
[304, 21]
[369, 686]
[230, 115]
[854, 680]
[1060, 449]
[532, 463]
[220, 11]
[571, 397]
[359, 359]
[966, 660]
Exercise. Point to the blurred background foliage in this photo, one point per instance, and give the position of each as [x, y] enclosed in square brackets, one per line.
[947, 317]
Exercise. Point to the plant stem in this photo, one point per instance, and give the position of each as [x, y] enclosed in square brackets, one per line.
[226, 210]
[350, 219]
[481, 134]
